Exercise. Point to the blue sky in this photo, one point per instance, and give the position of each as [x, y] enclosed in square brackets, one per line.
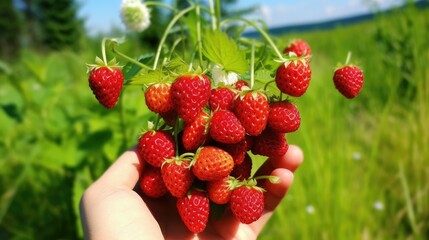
[101, 15]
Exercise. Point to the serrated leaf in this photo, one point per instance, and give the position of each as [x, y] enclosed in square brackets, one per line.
[148, 77]
[130, 69]
[219, 48]
[263, 75]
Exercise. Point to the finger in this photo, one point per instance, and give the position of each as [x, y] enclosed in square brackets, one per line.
[275, 193]
[125, 171]
[291, 161]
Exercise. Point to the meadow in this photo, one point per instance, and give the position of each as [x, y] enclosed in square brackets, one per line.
[365, 173]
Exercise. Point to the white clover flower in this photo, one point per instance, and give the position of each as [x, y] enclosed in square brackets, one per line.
[357, 156]
[310, 209]
[378, 205]
[135, 15]
[220, 75]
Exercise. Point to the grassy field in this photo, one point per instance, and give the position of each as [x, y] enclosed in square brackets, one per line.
[365, 174]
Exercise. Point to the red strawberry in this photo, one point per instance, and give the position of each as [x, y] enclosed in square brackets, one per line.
[247, 203]
[348, 80]
[212, 163]
[219, 191]
[299, 47]
[190, 94]
[240, 84]
[221, 98]
[169, 117]
[194, 210]
[177, 176]
[243, 170]
[106, 84]
[151, 182]
[293, 77]
[284, 117]
[237, 150]
[158, 98]
[252, 109]
[226, 128]
[270, 144]
[196, 133]
[156, 146]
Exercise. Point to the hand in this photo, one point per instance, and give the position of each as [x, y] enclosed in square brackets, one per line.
[111, 209]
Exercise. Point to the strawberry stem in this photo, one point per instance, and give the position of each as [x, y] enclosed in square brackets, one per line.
[114, 50]
[349, 56]
[272, 179]
[252, 66]
[268, 83]
[160, 4]
[212, 14]
[200, 45]
[166, 32]
[103, 50]
[262, 32]
[217, 9]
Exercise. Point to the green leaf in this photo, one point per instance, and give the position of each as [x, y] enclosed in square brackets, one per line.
[263, 75]
[219, 48]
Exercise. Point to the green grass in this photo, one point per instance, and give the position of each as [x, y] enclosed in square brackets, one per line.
[361, 153]
[386, 125]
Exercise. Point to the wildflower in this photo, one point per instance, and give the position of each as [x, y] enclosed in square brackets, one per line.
[357, 156]
[379, 206]
[135, 15]
[220, 75]
[310, 209]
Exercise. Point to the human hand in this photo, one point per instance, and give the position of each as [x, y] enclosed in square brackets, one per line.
[111, 209]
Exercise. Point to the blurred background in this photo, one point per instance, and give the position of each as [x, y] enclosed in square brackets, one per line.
[366, 168]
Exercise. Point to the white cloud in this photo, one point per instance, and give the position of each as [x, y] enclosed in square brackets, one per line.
[330, 10]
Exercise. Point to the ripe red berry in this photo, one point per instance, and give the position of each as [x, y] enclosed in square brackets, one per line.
[177, 177]
[219, 191]
[221, 98]
[156, 146]
[348, 80]
[247, 203]
[284, 117]
[252, 110]
[270, 144]
[158, 98]
[190, 94]
[151, 182]
[243, 170]
[293, 77]
[237, 150]
[194, 210]
[196, 133]
[240, 84]
[299, 47]
[226, 128]
[106, 84]
[212, 163]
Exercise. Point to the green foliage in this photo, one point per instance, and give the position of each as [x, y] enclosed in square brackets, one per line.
[219, 48]
[365, 169]
[10, 26]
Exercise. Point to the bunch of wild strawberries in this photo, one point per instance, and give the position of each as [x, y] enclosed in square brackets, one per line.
[201, 152]
[207, 158]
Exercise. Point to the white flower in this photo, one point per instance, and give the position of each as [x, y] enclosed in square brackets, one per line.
[310, 209]
[357, 156]
[135, 15]
[379, 206]
[220, 75]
